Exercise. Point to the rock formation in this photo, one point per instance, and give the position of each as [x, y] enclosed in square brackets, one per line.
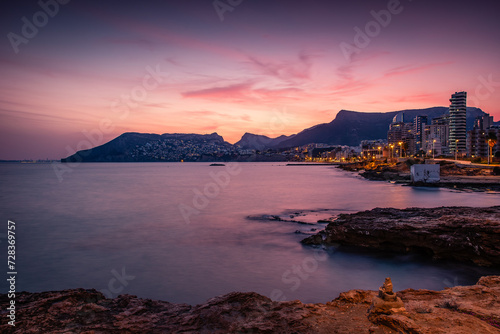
[387, 302]
[458, 310]
[457, 233]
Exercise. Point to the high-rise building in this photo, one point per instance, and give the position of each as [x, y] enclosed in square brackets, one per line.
[477, 139]
[441, 120]
[395, 132]
[483, 122]
[399, 118]
[478, 142]
[401, 133]
[458, 123]
[435, 136]
[419, 122]
[435, 139]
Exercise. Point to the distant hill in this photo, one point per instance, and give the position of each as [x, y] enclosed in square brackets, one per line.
[351, 127]
[259, 142]
[144, 147]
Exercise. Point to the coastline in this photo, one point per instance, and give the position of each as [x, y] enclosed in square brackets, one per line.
[453, 176]
[460, 309]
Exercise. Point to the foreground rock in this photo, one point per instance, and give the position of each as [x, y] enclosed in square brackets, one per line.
[457, 233]
[462, 309]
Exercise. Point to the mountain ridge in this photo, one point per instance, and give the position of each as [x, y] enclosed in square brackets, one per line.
[351, 127]
[347, 128]
[145, 147]
[259, 142]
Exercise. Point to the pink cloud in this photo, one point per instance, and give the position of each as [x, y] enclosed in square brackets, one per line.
[245, 93]
[427, 98]
[411, 69]
[208, 114]
[232, 92]
[209, 128]
[291, 70]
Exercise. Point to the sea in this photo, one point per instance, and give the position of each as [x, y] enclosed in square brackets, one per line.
[187, 232]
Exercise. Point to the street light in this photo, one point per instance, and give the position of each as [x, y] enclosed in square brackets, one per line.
[433, 151]
[456, 148]
[392, 150]
[489, 150]
[400, 149]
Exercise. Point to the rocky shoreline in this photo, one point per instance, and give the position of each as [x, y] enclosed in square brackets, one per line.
[464, 234]
[461, 309]
[459, 233]
[453, 176]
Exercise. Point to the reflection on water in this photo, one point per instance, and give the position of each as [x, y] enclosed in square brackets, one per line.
[121, 223]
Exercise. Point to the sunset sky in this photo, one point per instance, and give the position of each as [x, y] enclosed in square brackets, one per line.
[268, 67]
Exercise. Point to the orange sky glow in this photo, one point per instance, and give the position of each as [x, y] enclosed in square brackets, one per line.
[266, 70]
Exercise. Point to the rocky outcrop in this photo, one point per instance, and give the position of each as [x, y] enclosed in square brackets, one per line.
[458, 233]
[461, 309]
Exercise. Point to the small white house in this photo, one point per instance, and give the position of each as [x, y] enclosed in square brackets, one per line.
[425, 173]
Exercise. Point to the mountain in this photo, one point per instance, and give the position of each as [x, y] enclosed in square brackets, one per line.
[348, 128]
[250, 141]
[143, 147]
[351, 127]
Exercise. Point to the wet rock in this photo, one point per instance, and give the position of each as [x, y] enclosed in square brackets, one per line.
[457, 233]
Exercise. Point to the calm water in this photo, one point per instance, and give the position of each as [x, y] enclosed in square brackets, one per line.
[106, 220]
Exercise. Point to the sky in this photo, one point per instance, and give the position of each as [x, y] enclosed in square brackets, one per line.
[77, 73]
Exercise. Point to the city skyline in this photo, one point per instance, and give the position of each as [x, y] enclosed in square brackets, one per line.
[232, 66]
